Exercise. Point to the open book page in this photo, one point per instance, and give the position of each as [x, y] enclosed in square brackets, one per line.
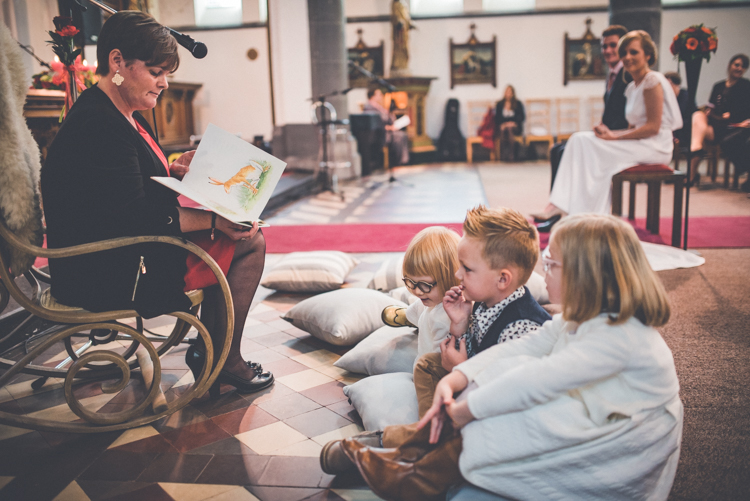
[229, 176]
[401, 122]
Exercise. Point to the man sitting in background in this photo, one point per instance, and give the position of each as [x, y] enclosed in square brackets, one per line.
[614, 96]
[396, 140]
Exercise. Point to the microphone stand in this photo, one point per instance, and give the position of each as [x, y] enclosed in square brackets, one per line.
[327, 117]
[391, 88]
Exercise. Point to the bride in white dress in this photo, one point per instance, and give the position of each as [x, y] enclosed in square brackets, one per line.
[591, 158]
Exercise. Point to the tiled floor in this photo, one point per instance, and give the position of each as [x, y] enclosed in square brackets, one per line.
[260, 446]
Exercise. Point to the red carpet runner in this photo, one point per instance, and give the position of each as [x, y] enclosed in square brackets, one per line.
[716, 232]
[705, 232]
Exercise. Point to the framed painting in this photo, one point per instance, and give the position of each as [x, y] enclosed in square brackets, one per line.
[473, 62]
[583, 58]
[369, 58]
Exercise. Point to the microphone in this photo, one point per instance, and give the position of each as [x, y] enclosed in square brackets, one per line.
[197, 49]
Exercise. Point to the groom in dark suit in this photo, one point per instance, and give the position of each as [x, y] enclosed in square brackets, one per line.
[614, 96]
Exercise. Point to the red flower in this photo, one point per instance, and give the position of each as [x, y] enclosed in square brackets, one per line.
[691, 43]
[712, 44]
[707, 31]
[672, 48]
[68, 31]
[690, 30]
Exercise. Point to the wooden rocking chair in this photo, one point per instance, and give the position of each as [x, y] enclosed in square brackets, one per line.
[104, 363]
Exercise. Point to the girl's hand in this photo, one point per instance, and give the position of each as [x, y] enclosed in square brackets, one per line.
[458, 309]
[181, 166]
[450, 356]
[460, 414]
[744, 124]
[436, 415]
[236, 231]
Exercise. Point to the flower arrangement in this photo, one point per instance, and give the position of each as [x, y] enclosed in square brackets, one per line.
[57, 78]
[694, 43]
[66, 75]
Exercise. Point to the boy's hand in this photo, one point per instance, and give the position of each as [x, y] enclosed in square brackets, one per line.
[458, 310]
[450, 356]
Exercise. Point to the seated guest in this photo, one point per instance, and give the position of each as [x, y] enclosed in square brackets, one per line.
[586, 407]
[736, 147]
[592, 158]
[686, 110]
[729, 104]
[96, 185]
[509, 118]
[614, 96]
[397, 140]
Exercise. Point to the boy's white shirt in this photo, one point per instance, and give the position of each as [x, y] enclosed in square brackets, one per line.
[433, 323]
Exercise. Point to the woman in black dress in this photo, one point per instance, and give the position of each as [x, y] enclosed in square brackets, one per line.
[729, 107]
[509, 118]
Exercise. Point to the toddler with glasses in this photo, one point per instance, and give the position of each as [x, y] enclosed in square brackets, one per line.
[429, 268]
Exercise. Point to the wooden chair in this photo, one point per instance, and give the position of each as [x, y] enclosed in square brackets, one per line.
[653, 175]
[539, 122]
[715, 156]
[108, 330]
[476, 112]
[568, 117]
[596, 110]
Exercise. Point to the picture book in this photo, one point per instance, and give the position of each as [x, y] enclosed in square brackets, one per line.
[229, 176]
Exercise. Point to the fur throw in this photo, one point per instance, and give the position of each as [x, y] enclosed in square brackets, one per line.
[19, 157]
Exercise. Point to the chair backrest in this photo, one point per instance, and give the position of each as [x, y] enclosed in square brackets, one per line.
[568, 115]
[596, 110]
[476, 110]
[538, 117]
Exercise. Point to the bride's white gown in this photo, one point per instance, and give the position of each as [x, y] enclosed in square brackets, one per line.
[583, 182]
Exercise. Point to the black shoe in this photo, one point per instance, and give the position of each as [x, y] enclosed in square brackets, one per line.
[546, 226]
[261, 380]
[696, 181]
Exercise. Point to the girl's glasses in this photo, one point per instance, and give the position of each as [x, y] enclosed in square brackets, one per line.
[549, 264]
[423, 286]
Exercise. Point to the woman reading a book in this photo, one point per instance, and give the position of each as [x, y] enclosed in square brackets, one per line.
[96, 185]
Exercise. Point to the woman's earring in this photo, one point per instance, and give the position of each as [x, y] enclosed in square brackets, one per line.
[118, 79]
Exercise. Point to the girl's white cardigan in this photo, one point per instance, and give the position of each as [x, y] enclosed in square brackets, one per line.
[569, 414]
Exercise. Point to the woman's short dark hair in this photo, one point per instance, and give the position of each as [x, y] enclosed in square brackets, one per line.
[138, 36]
[648, 45]
[741, 57]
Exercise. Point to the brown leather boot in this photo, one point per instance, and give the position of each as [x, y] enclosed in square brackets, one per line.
[333, 459]
[394, 478]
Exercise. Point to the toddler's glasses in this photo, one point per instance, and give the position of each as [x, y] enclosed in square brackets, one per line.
[549, 264]
[422, 286]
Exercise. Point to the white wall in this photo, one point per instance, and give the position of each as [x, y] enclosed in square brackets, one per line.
[530, 52]
[236, 91]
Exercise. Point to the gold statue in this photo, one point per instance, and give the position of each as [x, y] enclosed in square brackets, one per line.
[401, 23]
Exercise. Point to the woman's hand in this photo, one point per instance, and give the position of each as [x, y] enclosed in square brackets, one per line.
[603, 132]
[181, 166]
[745, 124]
[236, 231]
[460, 414]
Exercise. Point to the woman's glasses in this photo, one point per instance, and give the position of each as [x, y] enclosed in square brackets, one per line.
[549, 264]
[422, 286]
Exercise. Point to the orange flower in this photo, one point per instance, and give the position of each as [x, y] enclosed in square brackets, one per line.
[707, 31]
[712, 44]
[691, 43]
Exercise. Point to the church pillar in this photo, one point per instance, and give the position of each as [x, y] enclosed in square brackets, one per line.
[328, 60]
[638, 15]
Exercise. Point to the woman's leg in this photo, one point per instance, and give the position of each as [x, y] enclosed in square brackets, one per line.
[243, 277]
[701, 131]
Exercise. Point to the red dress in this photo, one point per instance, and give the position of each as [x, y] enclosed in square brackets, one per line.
[199, 275]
